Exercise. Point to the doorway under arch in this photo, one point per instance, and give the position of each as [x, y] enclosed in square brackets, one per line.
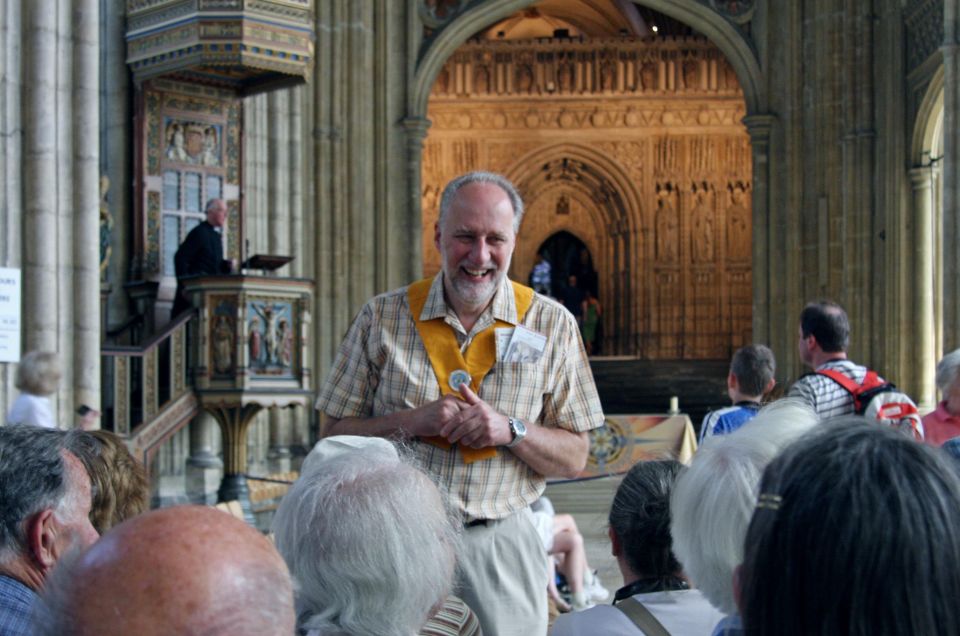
[568, 255]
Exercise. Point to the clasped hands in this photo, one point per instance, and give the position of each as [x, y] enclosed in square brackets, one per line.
[469, 421]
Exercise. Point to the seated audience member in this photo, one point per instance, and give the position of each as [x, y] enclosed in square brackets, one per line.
[943, 423]
[855, 532]
[562, 540]
[120, 488]
[750, 379]
[369, 541]
[640, 534]
[45, 507]
[38, 375]
[714, 498]
[181, 570]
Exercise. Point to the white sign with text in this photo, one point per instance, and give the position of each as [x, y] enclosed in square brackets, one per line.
[9, 314]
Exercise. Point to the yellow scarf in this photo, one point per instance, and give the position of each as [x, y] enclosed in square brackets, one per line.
[442, 347]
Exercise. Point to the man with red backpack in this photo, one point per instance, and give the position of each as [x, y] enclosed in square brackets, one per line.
[838, 386]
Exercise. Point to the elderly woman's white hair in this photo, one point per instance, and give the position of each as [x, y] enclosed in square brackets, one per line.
[713, 499]
[368, 539]
[947, 370]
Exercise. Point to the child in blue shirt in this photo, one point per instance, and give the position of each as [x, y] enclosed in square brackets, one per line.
[749, 380]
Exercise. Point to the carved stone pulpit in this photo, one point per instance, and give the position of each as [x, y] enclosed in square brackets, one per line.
[249, 351]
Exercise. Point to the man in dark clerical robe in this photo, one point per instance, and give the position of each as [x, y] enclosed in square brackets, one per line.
[201, 252]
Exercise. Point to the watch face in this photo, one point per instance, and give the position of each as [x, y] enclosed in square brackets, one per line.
[520, 428]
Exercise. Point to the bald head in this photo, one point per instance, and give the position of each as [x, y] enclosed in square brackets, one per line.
[184, 570]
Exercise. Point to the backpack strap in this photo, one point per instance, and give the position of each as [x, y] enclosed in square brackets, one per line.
[870, 381]
[642, 617]
[847, 383]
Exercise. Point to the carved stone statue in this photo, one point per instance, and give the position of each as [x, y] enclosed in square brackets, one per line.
[481, 80]
[607, 76]
[691, 74]
[648, 76]
[106, 227]
[431, 195]
[255, 342]
[565, 77]
[667, 226]
[524, 79]
[211, 147]
[702, 247]
[222, 345]
[176, 148]
[738, 225]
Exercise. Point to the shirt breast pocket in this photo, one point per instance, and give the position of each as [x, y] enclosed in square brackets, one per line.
[517, 388]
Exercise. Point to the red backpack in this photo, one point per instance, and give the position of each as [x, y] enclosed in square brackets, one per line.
[877, 399]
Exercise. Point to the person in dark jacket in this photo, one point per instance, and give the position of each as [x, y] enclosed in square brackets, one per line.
[201, 252]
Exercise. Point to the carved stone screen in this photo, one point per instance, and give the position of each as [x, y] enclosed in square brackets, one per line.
[634, 147]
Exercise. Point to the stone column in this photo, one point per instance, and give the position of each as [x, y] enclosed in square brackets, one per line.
[39, 276]
[11, 157]
[278, 456]
[951, 175]
[204, 467]
[416, 131]
[765, 233]
[299, 418]
[86, 204]
[922, 360]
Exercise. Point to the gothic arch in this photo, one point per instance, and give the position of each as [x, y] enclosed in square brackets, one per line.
[532, 173]
[928, 127]
[714, 26]
[606, 194]
[926, 223]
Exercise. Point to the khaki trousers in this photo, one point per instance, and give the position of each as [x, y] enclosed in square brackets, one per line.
[503, 576]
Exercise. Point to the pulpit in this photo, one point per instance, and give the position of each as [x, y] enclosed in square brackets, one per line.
[248, 352]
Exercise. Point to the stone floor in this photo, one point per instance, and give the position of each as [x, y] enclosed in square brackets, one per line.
[589, 503]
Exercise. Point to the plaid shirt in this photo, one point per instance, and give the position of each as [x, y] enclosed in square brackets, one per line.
[382, 367]
[828, 398]
[16, 608]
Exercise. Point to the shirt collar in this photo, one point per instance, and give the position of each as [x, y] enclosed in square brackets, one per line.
[650, 585]
[503, 307]
[943, 414]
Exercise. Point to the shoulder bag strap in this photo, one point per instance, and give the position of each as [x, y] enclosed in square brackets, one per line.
[642, 617]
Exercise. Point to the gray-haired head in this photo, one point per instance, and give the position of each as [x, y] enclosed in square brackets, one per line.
[754, 366]
[947, 370]
[855, 532]
[374, 449]
[640, 518]
[33, 479]
[714, 498]
[450, 194]
[370, 543]
[38, 373]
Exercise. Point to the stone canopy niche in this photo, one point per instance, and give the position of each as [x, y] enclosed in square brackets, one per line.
[634, 146]
[247, 45]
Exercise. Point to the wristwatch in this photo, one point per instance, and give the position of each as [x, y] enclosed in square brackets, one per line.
[518, 429]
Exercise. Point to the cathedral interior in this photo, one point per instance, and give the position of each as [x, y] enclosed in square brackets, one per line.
[708, 166]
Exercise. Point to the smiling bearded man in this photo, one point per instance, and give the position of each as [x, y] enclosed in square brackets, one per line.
[432, 364]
